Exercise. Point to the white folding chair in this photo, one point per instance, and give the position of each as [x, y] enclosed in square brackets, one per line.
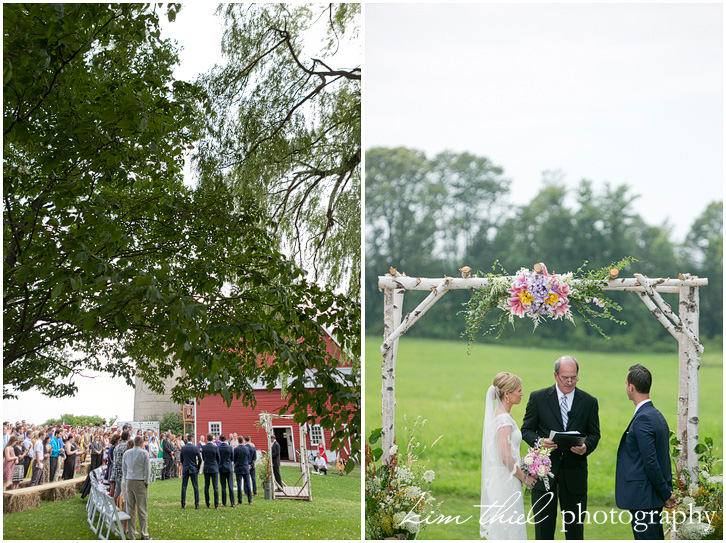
[112, 518]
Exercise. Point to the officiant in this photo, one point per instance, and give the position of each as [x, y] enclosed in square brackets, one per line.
[561, 408]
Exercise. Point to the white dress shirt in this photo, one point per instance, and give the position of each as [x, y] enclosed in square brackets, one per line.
[136, 465]
[641, 404]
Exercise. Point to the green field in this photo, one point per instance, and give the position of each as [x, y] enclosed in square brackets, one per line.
[334, 513]
[440, 382]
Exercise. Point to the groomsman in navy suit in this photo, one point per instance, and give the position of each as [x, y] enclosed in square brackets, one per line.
[191, 460]
[226, 469]
[210, 454]
[253, 459]
[643, 477]
[242, 470]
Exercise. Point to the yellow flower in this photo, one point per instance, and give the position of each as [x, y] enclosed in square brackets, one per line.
[552, 298]
[526, 298]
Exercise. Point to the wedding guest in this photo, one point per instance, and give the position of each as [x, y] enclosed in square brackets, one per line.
[253, 459]
[96, 448]
[178, 444]
[10, 460]
[19, 471]
[57, 445]
[27, 449]
[118, 453]
[38, 457]
[113, 441]
[69, 465]
[153, 447]
[47, 449]
[136, 469]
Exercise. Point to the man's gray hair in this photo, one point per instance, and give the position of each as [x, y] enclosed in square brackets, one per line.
[139, 441]
[566, 358]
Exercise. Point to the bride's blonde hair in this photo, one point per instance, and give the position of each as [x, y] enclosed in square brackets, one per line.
[506, 382]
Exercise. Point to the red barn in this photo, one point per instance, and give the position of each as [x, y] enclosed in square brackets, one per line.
[213, 416]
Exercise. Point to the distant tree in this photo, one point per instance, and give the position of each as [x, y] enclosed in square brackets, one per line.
[704, 247]
[283, 123]
[76, 420]
[171, 420]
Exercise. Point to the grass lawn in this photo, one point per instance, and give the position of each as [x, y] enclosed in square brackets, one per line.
[440, 382]
[334, 513]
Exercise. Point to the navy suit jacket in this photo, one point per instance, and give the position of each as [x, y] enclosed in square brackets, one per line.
[191, 459]
[543, 414]
[225, 458]
[210, 454]
[242, 460]
[643, 476]
[253, 454]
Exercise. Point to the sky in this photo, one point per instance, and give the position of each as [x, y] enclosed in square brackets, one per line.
[97, 393]
[620, 93]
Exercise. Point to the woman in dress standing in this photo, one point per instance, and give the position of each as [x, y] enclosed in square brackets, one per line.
[45, 475]
[10, 460]
[178, 444]
[19, 471]
[69, 465]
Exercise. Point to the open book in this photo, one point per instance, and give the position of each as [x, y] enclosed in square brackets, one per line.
[565, 440]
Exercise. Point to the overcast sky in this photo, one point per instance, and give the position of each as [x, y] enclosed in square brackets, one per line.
[626, 93]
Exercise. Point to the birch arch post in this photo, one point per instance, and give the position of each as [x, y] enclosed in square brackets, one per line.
[682, 326]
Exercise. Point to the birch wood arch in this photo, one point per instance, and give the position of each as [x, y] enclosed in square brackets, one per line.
[297, 491]
[683, 326]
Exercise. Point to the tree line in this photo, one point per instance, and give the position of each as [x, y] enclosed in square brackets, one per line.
[429, 216]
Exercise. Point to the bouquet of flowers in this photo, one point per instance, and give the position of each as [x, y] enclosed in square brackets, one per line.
[537, 463]
[397, 496]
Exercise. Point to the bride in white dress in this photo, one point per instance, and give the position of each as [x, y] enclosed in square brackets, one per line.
[502, 505]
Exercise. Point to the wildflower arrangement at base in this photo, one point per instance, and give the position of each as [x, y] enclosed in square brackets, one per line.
[537, 463]
[262, 467]
[397, 491]
[539, 295]
[699, 510]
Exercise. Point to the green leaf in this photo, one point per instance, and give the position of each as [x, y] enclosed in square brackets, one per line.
[375, 435]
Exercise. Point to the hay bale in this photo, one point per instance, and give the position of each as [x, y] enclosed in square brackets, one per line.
[59, 493]
[16, 503]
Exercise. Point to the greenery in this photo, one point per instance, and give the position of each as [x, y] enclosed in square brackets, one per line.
[439, 381]
[282, 122]
[704, 494]
[397, 496]
[111, 263]
[76, 420]
[334, 513]
[428, 220]
[171, 420]
[262, 468]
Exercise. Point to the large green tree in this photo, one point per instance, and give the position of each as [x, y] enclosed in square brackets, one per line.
[283, 123]
[110, 262]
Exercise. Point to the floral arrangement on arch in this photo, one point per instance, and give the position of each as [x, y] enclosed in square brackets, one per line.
[700, 499]
[397, 491]
[538, 295]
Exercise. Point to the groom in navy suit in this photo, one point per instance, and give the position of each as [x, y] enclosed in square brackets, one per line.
[643, 477]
